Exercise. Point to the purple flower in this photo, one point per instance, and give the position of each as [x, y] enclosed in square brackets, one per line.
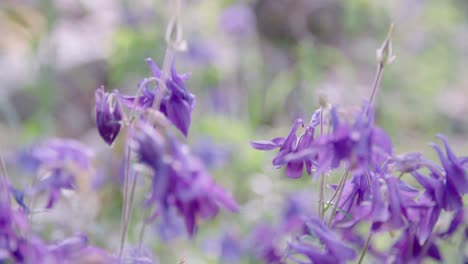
[176, 104]
[69, 247]
[108, 115]
[237, 20]
[58, 162]
[408, 250]
[231, 249]
[334, 250]
[360, 145]
[263, 242]
[180, 180]
[291, 146]
[456, 179]
[136, 255]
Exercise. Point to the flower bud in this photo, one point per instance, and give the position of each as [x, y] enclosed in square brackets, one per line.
[385, 54]
[108, 115]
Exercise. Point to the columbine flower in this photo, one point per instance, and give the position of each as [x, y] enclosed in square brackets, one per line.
[456, 178]
[180, 180]
[291, 146]
[176, 104]
[360, 145]
[108, 115]
[334, 250]
[58, 162]
[408, 250]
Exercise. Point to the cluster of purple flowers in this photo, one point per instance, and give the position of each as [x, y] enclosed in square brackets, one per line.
[18, 244]
[179, 180]
[376, 194]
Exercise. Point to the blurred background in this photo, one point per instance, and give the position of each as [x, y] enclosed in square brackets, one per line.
[255, 66]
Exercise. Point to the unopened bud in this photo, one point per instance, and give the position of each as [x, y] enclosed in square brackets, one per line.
[323, 100]
[385, 54]
[174, 36]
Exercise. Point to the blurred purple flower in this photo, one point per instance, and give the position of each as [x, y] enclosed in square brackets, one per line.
[211, 153]
[108, 115]
[180, 180]
[263, 241]
[335, 250]
[57, 163]
[139, 255]
[408, 250]
[238, 20]
[69, 247]
[231, 249]
[202, 52]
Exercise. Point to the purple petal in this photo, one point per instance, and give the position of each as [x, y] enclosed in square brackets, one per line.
[178, 112]
[267, 144]
[154, 68]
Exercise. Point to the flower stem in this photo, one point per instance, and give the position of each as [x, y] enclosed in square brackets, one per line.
[340, 192]
[123, 228]
[375, 86]
[3, 168]
[366, 247]
[141, 235]
[322, 178]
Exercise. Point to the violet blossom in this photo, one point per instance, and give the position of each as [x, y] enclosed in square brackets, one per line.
[176, 103]
[290, 145]
[180, 180]
[108, 115]
[329, 248]
[57, 163]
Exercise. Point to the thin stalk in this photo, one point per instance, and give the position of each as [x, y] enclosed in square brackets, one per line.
[123, 227]
[340, 192]
[337, 189]
[130, 203]
[3, 168]
[366, 247]
[375, 86]
[322, 178]
[141, 235]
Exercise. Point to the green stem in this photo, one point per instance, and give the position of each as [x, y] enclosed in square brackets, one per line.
[340, 192]
[366, 247]
[123, 227]
[375, 86]
[322, 178]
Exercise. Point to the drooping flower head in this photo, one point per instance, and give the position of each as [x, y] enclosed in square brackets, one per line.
[108, 115]
[180, 180]
[176, 103]
[179, 103]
